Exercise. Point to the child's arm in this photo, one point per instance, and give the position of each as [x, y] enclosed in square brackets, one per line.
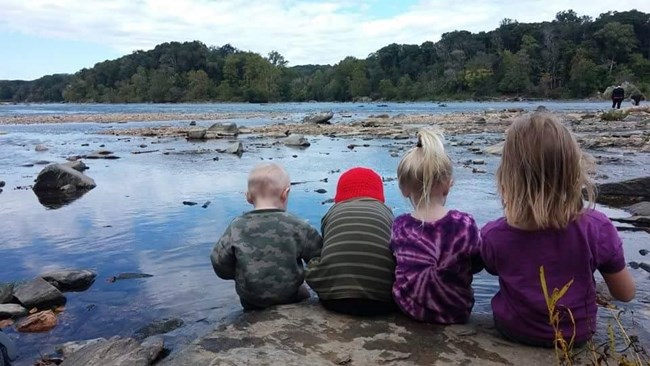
[611, 264]
[474, 239]
[312, 243]
[488, 256]
[223, 257]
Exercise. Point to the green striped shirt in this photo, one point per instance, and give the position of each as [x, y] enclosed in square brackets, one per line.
[356, 261]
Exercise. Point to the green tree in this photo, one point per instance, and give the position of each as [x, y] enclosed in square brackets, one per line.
[585, 75]
[616, 40]
[516, 72]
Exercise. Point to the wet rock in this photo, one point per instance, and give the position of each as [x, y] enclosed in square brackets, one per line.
[6, 292]
[640, 209]
[198, 134]
[630, 191]
[2, 183]
[296, 140]
[193, 123]
[27, 165]
[206, 204]
[236, 148]
[53, 177]
[644, 266]
[38, 293]
[327, 201]
[158, 327]
[113, 352]
[41, 162]
[478, 170]
[190, 203]
[154, 346]
[67, 349]
[496, 149]
[11, 311]
[128, 276]
[37, 323]
[77, 165]
[224, 129]
[319, 118]
[41, 147]
[70, 280]
[478, 162]
[644, 252]
[481, 121]
[321, 191]
[85, 144]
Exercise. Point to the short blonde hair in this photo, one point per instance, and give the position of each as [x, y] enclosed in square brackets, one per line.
[541, 176]
[425, 166]
[268, 180]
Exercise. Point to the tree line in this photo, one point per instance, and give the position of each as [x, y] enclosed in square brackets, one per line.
[571, 56]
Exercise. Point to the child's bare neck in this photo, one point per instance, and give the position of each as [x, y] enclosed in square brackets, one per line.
[268, 204]
[430, 213]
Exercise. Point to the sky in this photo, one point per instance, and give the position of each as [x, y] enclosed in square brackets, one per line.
[40, 37]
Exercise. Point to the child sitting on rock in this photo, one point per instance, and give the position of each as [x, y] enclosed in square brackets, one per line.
[437, 250]
[355, 272]
[541, 182]
[264, 249]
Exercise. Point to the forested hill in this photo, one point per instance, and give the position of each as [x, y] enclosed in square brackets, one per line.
[571, 56]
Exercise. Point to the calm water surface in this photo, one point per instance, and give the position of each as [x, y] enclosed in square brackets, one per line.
[134, 221]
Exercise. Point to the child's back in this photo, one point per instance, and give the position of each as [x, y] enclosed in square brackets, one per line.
[264, 249]
[588, 243]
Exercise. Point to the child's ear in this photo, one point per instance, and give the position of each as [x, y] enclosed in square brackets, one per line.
[249, 198]
[285, 195]
[405, 191]
[445, 191]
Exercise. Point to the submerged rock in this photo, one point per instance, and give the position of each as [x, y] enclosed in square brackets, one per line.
[38, 293]
[113, 352]
[11, 311]
[128, 276]
[158, 327]
[37, 323]
[319, 118]
[70, 280]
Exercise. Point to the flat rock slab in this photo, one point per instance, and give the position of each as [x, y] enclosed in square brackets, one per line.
[38, 293]
[11, 311]
[69, 348]
[640, 209]
[114, 352]
[306, 334]
[70, 280]
[158, 327]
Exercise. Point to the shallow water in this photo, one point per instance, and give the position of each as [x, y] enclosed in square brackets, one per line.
[134, 221]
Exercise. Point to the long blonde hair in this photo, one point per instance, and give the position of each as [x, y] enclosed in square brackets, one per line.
[424, 166]
[541, 176]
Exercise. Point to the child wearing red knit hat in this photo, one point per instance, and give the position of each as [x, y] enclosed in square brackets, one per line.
[355, 272]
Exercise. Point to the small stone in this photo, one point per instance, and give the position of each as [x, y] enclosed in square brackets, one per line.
[193, 123]
[85, 144]
[644, 252]
[645, 266]
[478, 170]
[2, 183]
[142, 146]
[352, 146]
[394, 155]
[327, 201]
[11, 311]
[37, 323]
[321, 191]
[206, 204]
[189, 203]
[128, 276]
[41, 147]
[478, 162]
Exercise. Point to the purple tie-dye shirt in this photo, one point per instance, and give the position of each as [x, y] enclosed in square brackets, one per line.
[435, 265]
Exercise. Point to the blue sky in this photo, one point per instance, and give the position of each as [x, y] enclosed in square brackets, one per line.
[40, 37]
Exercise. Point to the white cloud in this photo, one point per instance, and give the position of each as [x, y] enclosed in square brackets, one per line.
[303, 31]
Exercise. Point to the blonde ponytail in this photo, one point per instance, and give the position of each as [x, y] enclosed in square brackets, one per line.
[424, 167]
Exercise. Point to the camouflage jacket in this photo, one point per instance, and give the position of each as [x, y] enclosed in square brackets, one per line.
[263, 251]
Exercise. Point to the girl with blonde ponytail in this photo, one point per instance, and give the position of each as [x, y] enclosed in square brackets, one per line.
[437, 250]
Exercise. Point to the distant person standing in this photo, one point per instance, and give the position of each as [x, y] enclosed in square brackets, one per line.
[618, 94]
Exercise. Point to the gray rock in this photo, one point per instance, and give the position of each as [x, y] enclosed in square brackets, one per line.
[38, 293]
[12, 311]
[41, 162]
[225, 129]
[2, 183]
[478, 161]
[41, 147]
[236, 148]
[70, 280]
[154, 346]
[629, 191]
[67, 349]
[296, 140]
[322, 117]
[55, 176]
[158, 327]
[640, 209]
[478, 170]
[496, 149]
[193, 123]
[6, 292]
[198, 134]
[77, 165]
[113, 352]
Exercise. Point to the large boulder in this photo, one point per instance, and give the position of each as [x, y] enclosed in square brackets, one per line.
[70, 280]
[196, 134]
[59, 177]
[296, 140]
[10, 311]
[640, 209]
[38, 293]
[626, 192]
[224, 129]
[322, 117]
[113, 352]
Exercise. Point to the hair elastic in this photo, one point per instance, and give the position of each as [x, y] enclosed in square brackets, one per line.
[419, 143]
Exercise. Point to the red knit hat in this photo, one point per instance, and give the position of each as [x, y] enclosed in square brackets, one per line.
[359, 182]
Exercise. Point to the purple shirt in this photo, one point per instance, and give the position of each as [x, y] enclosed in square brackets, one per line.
[588, 244]
[435, 264]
